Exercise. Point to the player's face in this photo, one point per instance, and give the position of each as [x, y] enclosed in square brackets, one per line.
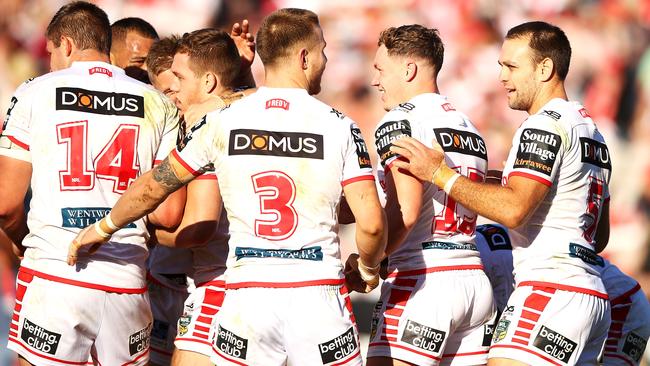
[58, 59]
[133, 52]
[187, 84]
[518, 74]
[388, 78]
[163, 82]
[317, 61]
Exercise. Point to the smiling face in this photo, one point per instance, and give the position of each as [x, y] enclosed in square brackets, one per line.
[519, 73]
[388, 78]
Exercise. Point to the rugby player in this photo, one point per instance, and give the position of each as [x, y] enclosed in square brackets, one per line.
[92, 130]
[282, 159]
[132, 39]
[431, 249]
[555, 197]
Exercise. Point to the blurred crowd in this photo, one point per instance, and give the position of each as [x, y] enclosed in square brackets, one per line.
[610, 72]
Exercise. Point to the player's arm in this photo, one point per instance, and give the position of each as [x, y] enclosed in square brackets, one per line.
[169, 214]
[602, 231]
[14, 183]
[201, 217]
[370, 234]
[508, 205]
[403, 204]
[140, 199]
[245, 43]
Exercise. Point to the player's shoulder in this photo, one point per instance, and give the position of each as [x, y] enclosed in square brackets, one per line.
[495, 236]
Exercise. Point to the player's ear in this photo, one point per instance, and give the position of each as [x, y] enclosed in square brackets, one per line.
[304, 58]
[210, 82]
[545, 69]
[411, 70]
[68, 45]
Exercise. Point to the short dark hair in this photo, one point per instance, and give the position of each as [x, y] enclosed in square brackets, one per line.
[282, 30]
[546, 40]
[85, 23]
[212, 50]
[161, 55]
[414, 41]
[121, 27]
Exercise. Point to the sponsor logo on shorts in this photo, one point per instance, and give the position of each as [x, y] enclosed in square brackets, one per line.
[275, 143]
[339, 347]
[231, 344]
[277, 103]
[311, 253]
[159, 333]
[448, 246]
[462, 142]
[100, 70]
[376, 314]
[185, 135]
[634, 346]
[423, 337]
[496, 237]
[554, 344]
[12, 104]
[537, 150]
[80, 217]
[92, 101]
[40, 338]
[139, 341]
[587, 255]
[488, 333]
[595, 153]
[362, 150]
[184, 323]
[386, 134]
[553, 114]
[501, 330]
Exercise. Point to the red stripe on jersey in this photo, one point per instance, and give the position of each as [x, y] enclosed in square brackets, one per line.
[521, 341]
[20, 343]
[525, 325]
[209, 311]
[213, 297]
[547, 359]
[405, 282]
[205, 176]
[613, 355]
[185, 165]
[357, 179]
[348, 359]
[137, 358]
[204, 319]
[529, 315]
[18, 142]
[84, 284]
[390, 331]
[521, 334]
[392, 322]
[399, 297]
[422, 271]
[237, 285]
[202, 328]
[348, 304]
[536, 302]
[221, 284]
[395, 345]
[199, 335]
[565, 288]
[626, 296]
[534, 177]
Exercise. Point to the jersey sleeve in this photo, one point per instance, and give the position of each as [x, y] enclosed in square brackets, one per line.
[202, 145]
[356, 165]
[540, 143]
[15, 135]
[394, 125]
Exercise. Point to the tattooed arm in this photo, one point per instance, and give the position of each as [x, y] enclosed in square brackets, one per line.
[142, 197]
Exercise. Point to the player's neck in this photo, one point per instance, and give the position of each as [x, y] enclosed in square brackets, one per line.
[89, 55]
[283, 78]
[415, 89]
[545, 95]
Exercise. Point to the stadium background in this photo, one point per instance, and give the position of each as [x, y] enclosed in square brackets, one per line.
[610, 74]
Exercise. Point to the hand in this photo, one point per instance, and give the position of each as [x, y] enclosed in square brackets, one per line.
[245, 43]
[196, 111]
[423, 162]
[354, 279]
[87, 236]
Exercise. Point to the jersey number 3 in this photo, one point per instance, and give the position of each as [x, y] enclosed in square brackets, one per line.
[117, 161]
[276, 191]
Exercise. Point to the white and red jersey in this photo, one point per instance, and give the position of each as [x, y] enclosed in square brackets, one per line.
[444, 233]
[560, 147]
[281, 158]
[90, 131]
[493, 242]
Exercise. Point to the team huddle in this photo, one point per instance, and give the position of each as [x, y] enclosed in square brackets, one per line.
[194, 221]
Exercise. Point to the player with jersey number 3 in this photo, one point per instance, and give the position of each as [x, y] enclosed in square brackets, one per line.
[282, 161]
[555, 197]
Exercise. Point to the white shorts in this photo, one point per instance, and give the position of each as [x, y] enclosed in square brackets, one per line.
[196, 325]
[56, 323]
[311, 325]
[167, 308]
[547, 326]
[630, 329]
[436, 318]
